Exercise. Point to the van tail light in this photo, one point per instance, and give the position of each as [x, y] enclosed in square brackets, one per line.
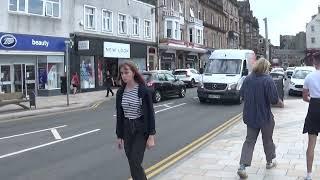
[150, 84]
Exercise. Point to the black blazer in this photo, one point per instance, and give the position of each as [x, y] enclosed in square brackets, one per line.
[146, 109]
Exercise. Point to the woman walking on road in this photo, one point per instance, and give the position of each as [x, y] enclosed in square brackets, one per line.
[259, 92]
[311, 94]
[135, 118]
[110, 83]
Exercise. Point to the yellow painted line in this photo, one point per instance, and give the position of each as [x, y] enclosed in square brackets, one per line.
[170, 160]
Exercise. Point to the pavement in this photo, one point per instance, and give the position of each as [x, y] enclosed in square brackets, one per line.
[81, 144]
[55, 104]
[219, 159]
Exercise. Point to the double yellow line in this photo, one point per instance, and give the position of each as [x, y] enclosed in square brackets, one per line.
[167, 162]
[96, 105]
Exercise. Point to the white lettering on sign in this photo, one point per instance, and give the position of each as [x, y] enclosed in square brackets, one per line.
[40, 43]
[116, 50]
[83, 45]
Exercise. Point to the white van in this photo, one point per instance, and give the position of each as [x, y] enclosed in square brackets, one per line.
[224, 74]
[297, 79]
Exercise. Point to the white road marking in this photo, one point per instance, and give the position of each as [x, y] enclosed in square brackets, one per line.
[167, 106]
[56, 134]
[160, 105]
[47, 144]
[195, 98]
[33, 132]
[170, 107]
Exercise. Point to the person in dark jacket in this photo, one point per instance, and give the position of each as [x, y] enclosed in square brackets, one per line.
[259, 92]
[311, 94]
[110, 83]
[135, 118]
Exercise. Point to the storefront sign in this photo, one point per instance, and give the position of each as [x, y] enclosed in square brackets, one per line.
[23, 42]
[116, 50]
[83, 45]
[167, 56]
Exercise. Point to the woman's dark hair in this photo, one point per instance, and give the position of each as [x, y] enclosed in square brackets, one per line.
[137, 76]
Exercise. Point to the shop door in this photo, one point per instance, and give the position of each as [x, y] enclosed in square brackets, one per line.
[24, 78]
[5, 79]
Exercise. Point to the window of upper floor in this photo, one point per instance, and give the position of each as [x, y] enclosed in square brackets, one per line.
[49, 8]
[147, 29]
[90, 18]
[122, 20]
[107, 21]
[312, 28]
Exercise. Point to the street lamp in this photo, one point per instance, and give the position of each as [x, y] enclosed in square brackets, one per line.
[157, 15]
[266, 38]
[67, 43]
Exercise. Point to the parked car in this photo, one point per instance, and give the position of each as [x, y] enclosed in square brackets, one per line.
[289, 72]
[164, 84]
[277, 70]
[297, 79]
[189, 76]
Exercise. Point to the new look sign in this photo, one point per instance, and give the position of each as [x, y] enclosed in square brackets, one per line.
[23, 42]
[116, 50]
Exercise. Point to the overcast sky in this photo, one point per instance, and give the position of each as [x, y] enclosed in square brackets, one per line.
[286, 17]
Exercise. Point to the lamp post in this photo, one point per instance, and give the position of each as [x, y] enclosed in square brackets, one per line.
[157, 17]
[67, 43]
[266, 38]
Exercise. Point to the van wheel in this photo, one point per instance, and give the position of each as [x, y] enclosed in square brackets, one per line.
[202, 100]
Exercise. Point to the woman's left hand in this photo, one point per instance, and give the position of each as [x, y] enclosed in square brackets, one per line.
[151, 142]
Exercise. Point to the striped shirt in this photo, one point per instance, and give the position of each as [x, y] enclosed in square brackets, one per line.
[131, 104]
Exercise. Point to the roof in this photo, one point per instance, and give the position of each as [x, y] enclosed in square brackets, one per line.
[230, 54]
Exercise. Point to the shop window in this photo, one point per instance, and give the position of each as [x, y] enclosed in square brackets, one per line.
[50, 69]
[87, 73]
[5, 80]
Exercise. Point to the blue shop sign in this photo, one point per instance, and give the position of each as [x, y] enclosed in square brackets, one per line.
[23, 42]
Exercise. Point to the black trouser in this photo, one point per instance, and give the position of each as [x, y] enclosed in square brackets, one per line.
[135, 144]
[109, 90]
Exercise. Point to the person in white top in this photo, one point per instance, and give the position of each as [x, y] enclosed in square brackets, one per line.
[311, 94]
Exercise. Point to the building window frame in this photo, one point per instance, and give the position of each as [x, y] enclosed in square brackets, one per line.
[135, 26]
[313, 40]
[312, 28]
[172, 5]
[85, 14]
[125, 21]
[146, 35]
[104, 20]
[45, 8]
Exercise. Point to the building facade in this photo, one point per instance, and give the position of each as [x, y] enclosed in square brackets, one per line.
[181, 43]
[232, 21]
[249, 27]
[312, 37]
[105, 34]
[297, 42]
[32, 45]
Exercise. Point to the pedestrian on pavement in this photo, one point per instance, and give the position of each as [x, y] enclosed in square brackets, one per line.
[135, 118]
[110, 83]
[311, 94]
[258, 92]
[75, 82]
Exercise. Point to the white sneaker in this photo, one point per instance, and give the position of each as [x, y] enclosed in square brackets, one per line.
[242, 172]
[308, 178]
[271, 165]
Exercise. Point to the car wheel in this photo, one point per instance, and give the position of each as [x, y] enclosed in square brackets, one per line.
[290, 92]
[193, 83]
[239, 100]
[157, 97]
[202, 100]
[182, 93]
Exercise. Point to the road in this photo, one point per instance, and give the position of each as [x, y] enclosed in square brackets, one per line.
[81, 145]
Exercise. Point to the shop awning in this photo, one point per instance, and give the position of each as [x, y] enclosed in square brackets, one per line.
[172, 46]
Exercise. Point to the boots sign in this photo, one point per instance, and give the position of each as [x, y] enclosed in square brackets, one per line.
[24, 42]
[116, 50]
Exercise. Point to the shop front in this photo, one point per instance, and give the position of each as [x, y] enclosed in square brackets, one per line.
[93, 57]
[31, 63]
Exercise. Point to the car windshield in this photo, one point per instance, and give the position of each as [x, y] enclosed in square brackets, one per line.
[224, 66]
[147, 77]
[180, 73]
[277, 70]
[301, 74]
